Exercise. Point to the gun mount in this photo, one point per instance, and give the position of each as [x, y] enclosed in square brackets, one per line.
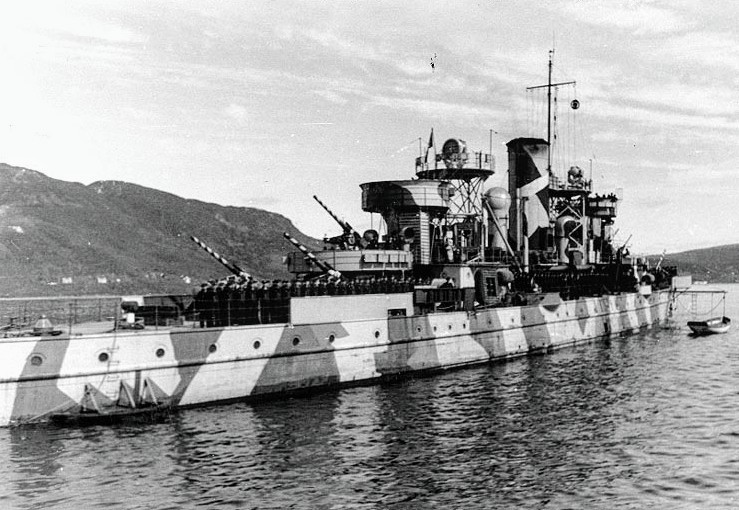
[349, 239]
[324, 266]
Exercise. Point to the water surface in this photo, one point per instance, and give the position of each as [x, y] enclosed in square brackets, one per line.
[650, 421]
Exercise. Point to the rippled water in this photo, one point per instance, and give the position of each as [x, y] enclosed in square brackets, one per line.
[651, 421]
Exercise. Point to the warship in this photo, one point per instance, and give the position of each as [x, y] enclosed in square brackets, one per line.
[459, 274]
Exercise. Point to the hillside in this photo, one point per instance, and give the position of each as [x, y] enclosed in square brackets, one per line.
[114, 237]
[111, 237]
[718, 264]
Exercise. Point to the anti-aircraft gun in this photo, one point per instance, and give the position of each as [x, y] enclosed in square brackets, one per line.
[622, 252]
[228, 265]
[349, 239]
[322, 264]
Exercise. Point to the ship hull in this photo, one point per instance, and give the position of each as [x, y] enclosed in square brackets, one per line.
[127, 371]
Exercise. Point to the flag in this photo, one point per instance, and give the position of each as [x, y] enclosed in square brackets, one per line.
[431, 144]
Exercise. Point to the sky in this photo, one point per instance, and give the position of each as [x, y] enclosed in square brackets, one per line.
[266, 103]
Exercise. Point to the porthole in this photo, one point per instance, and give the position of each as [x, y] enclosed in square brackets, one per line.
[257, 344]
[213, 348]
[36, 360]
[464, 325]
[160, 352]
[103, 357]
[418, 329]
[331, 339]
[434, 328]
[450, 327]
[377, 334]
[296, 341]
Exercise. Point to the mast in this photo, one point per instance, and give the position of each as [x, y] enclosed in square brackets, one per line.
[549, 86]
[549, 112]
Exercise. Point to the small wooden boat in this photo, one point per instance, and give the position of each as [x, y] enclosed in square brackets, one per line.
[148, 414]
[710, 326]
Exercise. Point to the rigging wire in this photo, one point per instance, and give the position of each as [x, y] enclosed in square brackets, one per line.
[689, 308]
[575, 118]
[556, 147]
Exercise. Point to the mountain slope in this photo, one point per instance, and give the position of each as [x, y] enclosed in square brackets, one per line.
[716, 264]
[136, 238]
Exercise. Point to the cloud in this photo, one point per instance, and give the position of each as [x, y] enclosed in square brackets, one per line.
[661, 117]
[331, 96]
[718, 49]
[638, 17]
[347, 48]
[236, 112]
[53, 20]
[438, 109]
[102, 31]
[712, 99]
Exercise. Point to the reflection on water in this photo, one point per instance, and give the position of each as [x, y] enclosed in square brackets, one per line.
[649, 421]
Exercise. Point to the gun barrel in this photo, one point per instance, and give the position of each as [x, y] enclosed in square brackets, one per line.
[627, 241]
[228, 265]
[324, 266]
[664, 252]
[344, 225]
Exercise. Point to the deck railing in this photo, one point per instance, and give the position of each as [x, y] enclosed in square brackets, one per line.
[56, 316]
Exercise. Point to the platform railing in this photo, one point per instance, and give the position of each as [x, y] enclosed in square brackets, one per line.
[55, 316]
